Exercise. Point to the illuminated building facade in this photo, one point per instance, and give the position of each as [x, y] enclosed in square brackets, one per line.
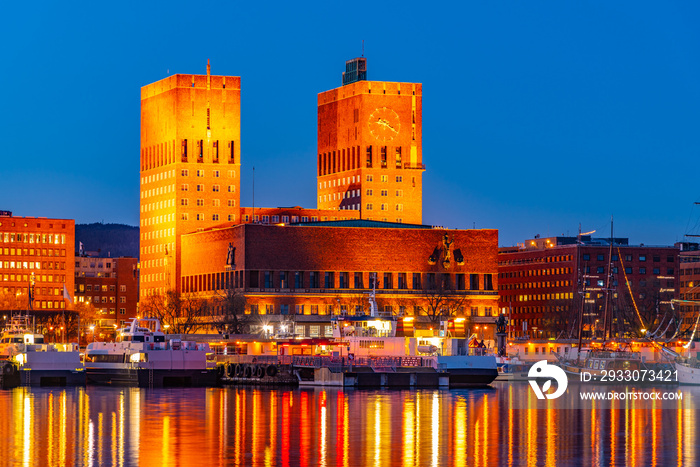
[544, 282]
[111, 285]
[312, 271]
[689, 290]
[370, 148]
[40, 250]
[190, 167]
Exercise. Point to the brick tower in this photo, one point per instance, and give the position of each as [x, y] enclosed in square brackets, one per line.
[369, 147]
[190, 167]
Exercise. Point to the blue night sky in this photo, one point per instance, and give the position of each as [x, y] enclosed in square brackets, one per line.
[537, 116]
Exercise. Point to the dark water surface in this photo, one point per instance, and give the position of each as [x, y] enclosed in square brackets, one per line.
[505, 425]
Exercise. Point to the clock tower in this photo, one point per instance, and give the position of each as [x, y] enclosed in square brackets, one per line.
[369, 148]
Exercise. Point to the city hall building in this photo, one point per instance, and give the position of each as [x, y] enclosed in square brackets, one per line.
[314, 270]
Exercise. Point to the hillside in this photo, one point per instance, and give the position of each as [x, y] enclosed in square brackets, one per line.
[109, 239]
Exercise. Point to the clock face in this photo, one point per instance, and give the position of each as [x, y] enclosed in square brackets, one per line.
[384, 124]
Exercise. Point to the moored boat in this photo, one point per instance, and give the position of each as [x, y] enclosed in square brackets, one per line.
[142, 356]
[39, 363]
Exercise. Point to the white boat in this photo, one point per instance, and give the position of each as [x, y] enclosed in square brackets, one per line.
[40, 363]
[142, 356]
[374, 336]
[512, 369]
[688, 370]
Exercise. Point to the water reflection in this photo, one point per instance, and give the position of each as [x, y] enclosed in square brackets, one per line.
[505, 425]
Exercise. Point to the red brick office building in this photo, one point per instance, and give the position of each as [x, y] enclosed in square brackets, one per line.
[544, 282]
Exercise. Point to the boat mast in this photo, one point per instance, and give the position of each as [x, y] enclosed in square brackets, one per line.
[607, 321]
[582, 288]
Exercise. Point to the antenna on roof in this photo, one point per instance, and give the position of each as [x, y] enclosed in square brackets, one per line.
[363, 47]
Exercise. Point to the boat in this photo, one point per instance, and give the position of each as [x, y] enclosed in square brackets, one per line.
[373, 338]
[687, 370]
[37, 362]
[598, 363]
[512, 369]
[143, 356]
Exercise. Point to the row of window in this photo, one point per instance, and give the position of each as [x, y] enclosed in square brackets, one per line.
[37, 277]
[229, 151]
[32, 252]
[384, 207]
[351, 180]
[32, 265]
[641, 258]
[80, 288]
[336, 280]
[689, 271]
[15, 237]
[200, 217]
[215, 202]
[542, 259]
[202, 173]
[534, 285]
[534, 272]
[202, 188]
[350, 159]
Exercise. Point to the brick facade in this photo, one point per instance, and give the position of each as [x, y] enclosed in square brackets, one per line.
[370, 150]
[190, 167]
[38, 248]
[313, 271]
[543, 282]
[110, 285]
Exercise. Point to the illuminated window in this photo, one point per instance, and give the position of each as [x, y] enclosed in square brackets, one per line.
[231, 203]
[184, 187]
[398, 160]
[384, 206]
[200, 187]
[215, 188]
[200, 217]
[231, 218]
[200, 173]
[369, 178]
[369, 192]
[399, 193]
[369, 206]
[216, 202]
[184, 202]
[385, 178]
[231, 188]
[185, 172]
[399, 207]
[216, 173]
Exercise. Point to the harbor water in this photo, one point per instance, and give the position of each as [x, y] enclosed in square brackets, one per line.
[502, 425]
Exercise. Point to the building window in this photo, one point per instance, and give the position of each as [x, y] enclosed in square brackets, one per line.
[216, 173]
[473, 282]
[488, 282]
[284, 309]
[385, 206]
[586, 257]
[385, 193]
[231, 203]
[268, 279]
[369, 192]
[384, 178]
[329, 281]
[185, 172]
[642, 270]
[184, 202]
[600, 258]
[215, 217]
[369, 206]
[215, 188]
[369, 158]
[184, 216]
[184, 187]
[200, 202]
[313, 280]
[369, 178]
[399, 179]
[642, 258]
[216, 203]
[298, 280]
[283, 280]
[358, 280]
[343, 280]
[402, 280]
[399, 193]
[200, 187]
[200, 173]
[416, 281]
[388, 281]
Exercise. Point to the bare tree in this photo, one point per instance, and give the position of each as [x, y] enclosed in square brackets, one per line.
[231, 317]
[183, 314]
[441, 302]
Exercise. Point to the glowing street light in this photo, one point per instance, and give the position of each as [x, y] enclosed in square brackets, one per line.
[92, 328]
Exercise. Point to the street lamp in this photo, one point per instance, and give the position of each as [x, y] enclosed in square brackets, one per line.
[92, 328]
